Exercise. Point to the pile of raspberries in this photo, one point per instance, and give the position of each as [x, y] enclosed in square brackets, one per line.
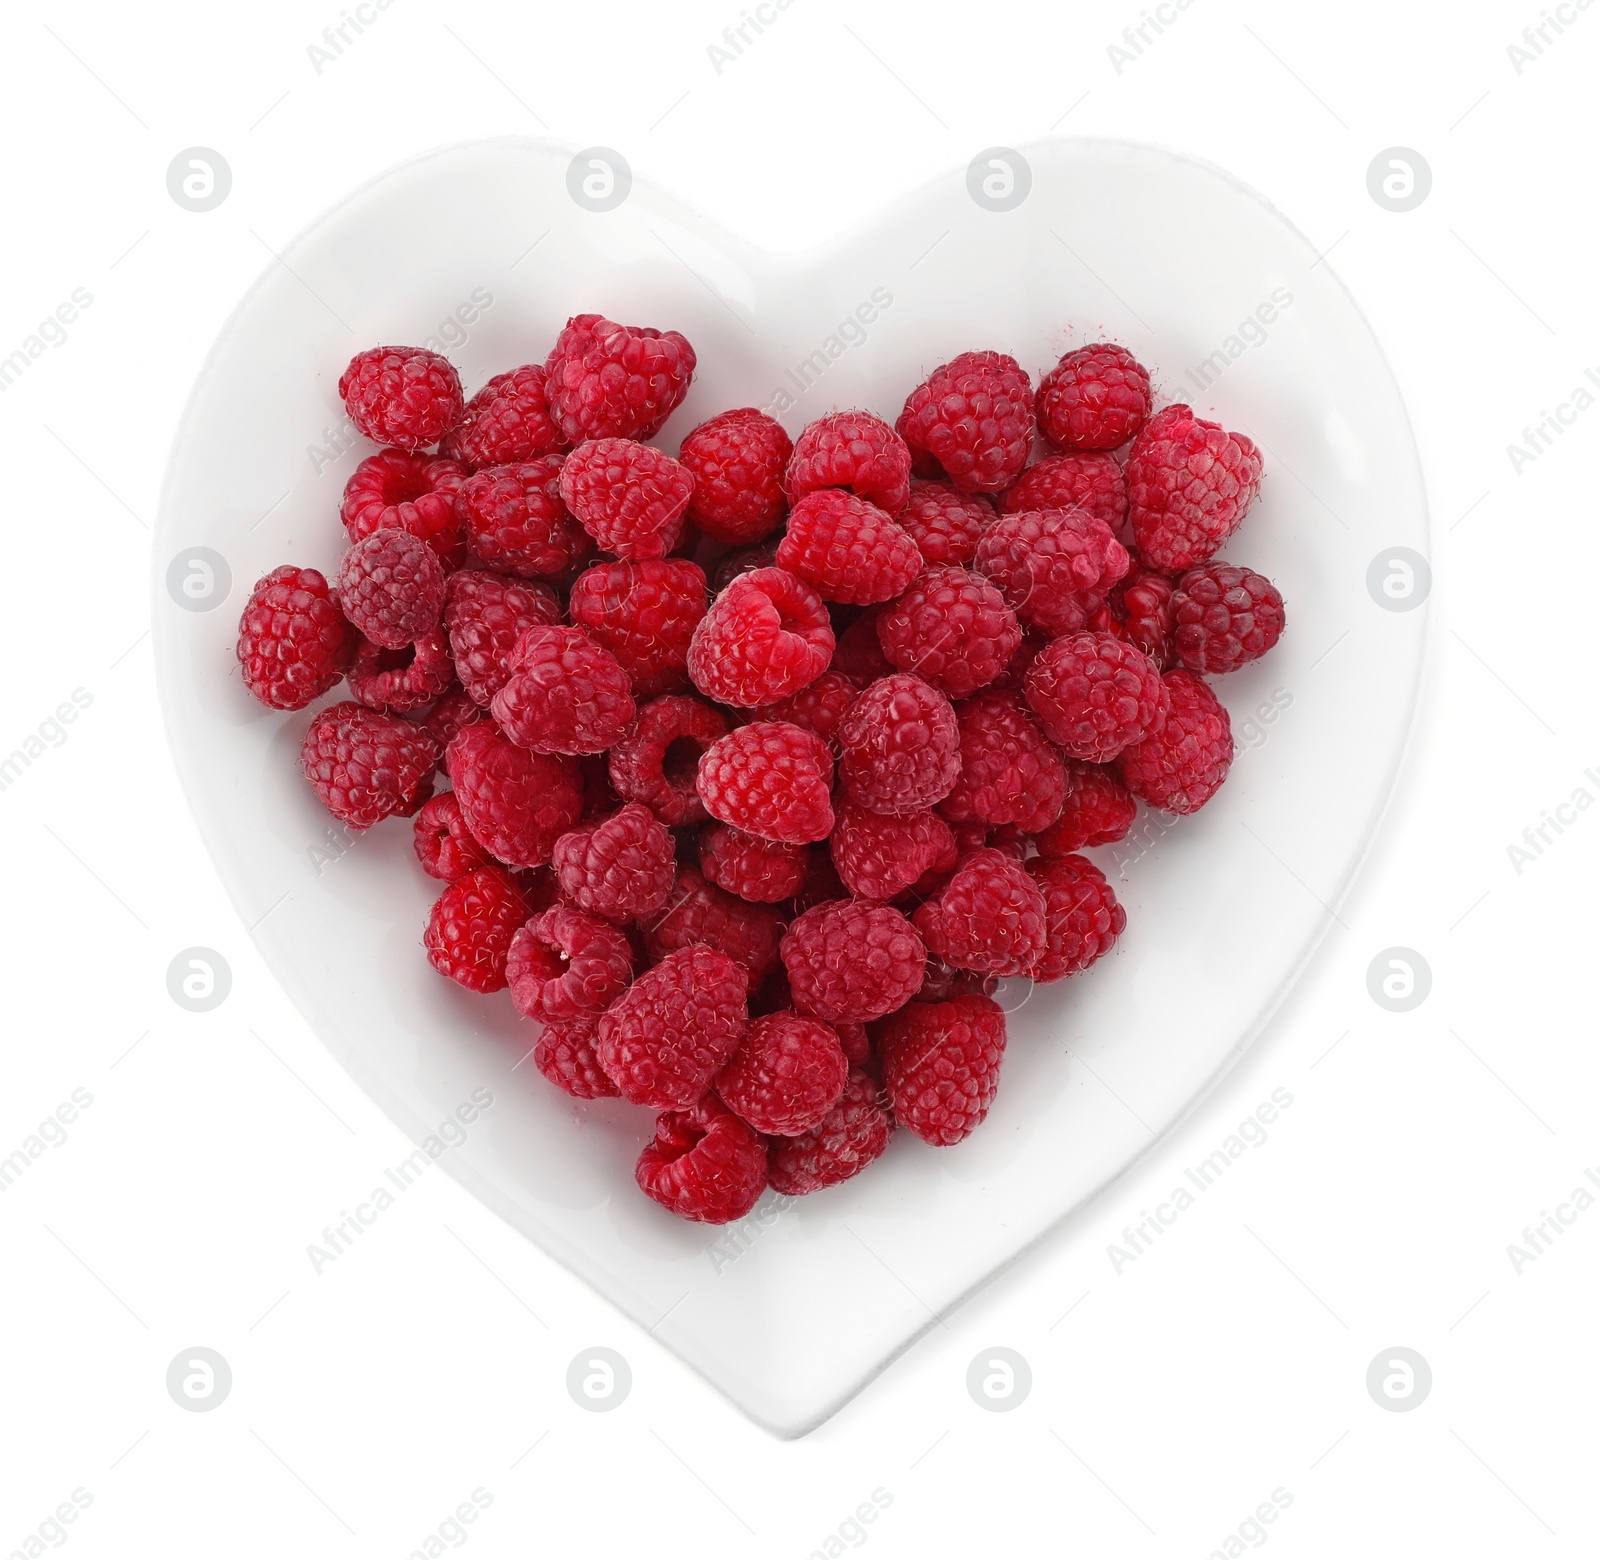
[768, 760]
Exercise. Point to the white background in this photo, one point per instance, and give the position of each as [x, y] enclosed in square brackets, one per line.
[1169, 1400]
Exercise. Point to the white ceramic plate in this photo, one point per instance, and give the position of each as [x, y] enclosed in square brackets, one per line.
[793, 1311]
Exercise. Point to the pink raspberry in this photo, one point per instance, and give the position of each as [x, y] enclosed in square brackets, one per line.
[879, 857]
[610, 381]
[820, 706]
[563, 963]
[395, 490]
[1053, 566]
[1190, 483]
[770, 779]
[294, 644]
[399, 681]
[1010, 772]
[1082, 916]
[471, 926]
[942, 1065]
[787, 1074]
[699, 912]
[563, 693]
[737, 461]
[391, 587]
[1094, 694]
[946, 523]
[1094, 399]
[365, 766]
[443, 843]
[1224, 617]
[854, 1133]
[1147, 612]
[953, 628]
[645, 614]
[766, 636]
[514, 520]
[853, 450]
[848, 549]
[404, 396]
[629, 497]
[620, 867]
[704, 1164]
[517, 804]
[974, 415]
[763, 871]
[485, 615]
[566, 1054]
[852, 961]
[1179, 766]
[1098, 811]
[507, 421]
[1089, 482]
[658, 761]
[900, 747]
[989, 917]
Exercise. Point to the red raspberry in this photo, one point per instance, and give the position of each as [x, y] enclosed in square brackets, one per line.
[770, 779]
[645, 614]
[657, 762]
[849, 1138]
[1094, 399]
[766, 636]
[666, 1037]
[1148, 614]
[391, 587]
[737, 461]
[471, 926]
[879, 857]
[1097, 811]
[853, 450]
[952, 627]
[365, 766]
[563, 963]
[293, 643]
[852, 961]
[742, 560]
[1054, 566]
[563, 693]
[404, 396]
[762, 871]
[1010, 772]
[946, 523]
[858, 652]
[1091, 482]
[787, 1074]
[854, 1042]
[1179, 767]
[1082, 916]
[517, 803]
[1189, 485]
[485, 615]
[399, 681]
[442, 841]
[900, 748]
[974, 415]
[621, 867]
[513, 520]
[821, 884]
[943, 981]
[1016, 672]
[566, 1055]
[704, 1164]
[395, 490]
[629, 497]
[941, 1065]
[454, 710]
[1224, 617]
[850, 550]
[507, 421]
[989, 917]
[699, 912]
[1094, 694]
[610, 381]
[820, 706]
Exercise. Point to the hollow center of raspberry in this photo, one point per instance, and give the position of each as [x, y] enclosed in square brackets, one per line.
[681, 761]
[405, 487]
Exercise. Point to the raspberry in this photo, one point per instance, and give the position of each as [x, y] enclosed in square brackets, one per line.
[293, 643]
[952, 627]
[879, 857]
[566, 1055]
[1010, 772]
[1179, 767]
[761, 871]
[365, 766]
[610, 381]
[1148, 614]
[819, 707]
[507, 421]
[454, 710]
[858, 652]
[1189, 485]
[854, 1042]
[629, 497]
[974, 415]
[657, 762]
[704, 1164]
[1016, 672]
[1093, 399]
[471, 926]
[666, 1037]
[1094, 694]
[563, 963]
[398, 681]
[1091, 482]
[943, 981]
[1098, 811]
[853, 450]
[766, 636]
[1224, 617]
[485, 615]
[563, 693]
[848, 549]
[1054, 566]
[941, 1065]
[395, 490]
[854, 1133]
[770, 779]
[514, 520]
[404, 396]
[742, 560]
[621, 867]
[821, 884]
[852, 961]
[737, 461]
[946, 523]
[517, 804]
[900, 748]
[645, 614]
[699, 912]
[989, 917]
[787, 1074]
[391, 587]
[443, 843]
[1082, 916]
